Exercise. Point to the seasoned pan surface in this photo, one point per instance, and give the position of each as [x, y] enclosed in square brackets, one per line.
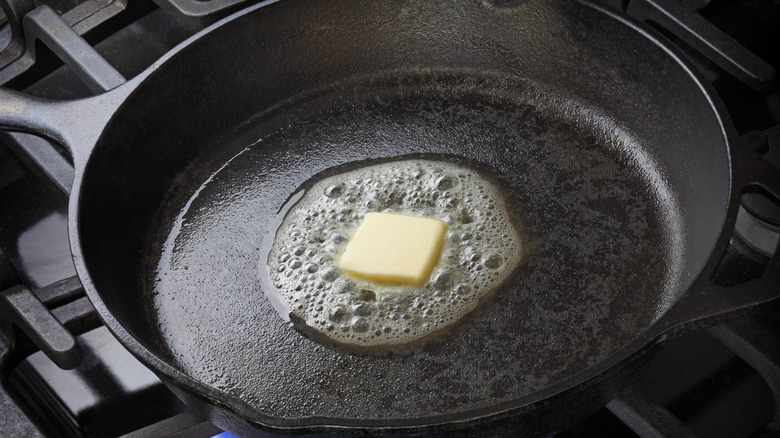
[600, 226]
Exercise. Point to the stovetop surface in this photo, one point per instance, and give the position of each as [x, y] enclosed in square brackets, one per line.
[721, 382]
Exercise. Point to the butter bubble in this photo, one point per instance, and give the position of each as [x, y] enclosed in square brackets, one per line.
[481, 250]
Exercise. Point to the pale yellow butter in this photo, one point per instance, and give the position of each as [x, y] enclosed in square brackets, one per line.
[394, 248]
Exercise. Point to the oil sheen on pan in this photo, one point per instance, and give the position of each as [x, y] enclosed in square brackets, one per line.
[599, 232]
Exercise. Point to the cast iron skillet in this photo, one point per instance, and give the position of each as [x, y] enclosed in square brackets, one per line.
[622, 167]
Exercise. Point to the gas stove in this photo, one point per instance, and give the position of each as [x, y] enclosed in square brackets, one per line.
[723, 381]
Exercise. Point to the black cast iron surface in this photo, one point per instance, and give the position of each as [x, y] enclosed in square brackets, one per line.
[600, 228]
[662, 126]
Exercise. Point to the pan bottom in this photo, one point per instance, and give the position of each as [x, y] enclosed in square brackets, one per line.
[603, 228]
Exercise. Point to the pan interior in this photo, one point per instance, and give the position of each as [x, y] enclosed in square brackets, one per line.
[602, 228]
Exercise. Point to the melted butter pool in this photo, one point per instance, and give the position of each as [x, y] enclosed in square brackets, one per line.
[481, 249]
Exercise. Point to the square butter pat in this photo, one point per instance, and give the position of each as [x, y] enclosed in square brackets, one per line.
[394, 248]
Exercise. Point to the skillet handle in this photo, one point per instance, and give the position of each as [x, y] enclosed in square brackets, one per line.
[705, 304]
[74, 124]
[23, 113]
